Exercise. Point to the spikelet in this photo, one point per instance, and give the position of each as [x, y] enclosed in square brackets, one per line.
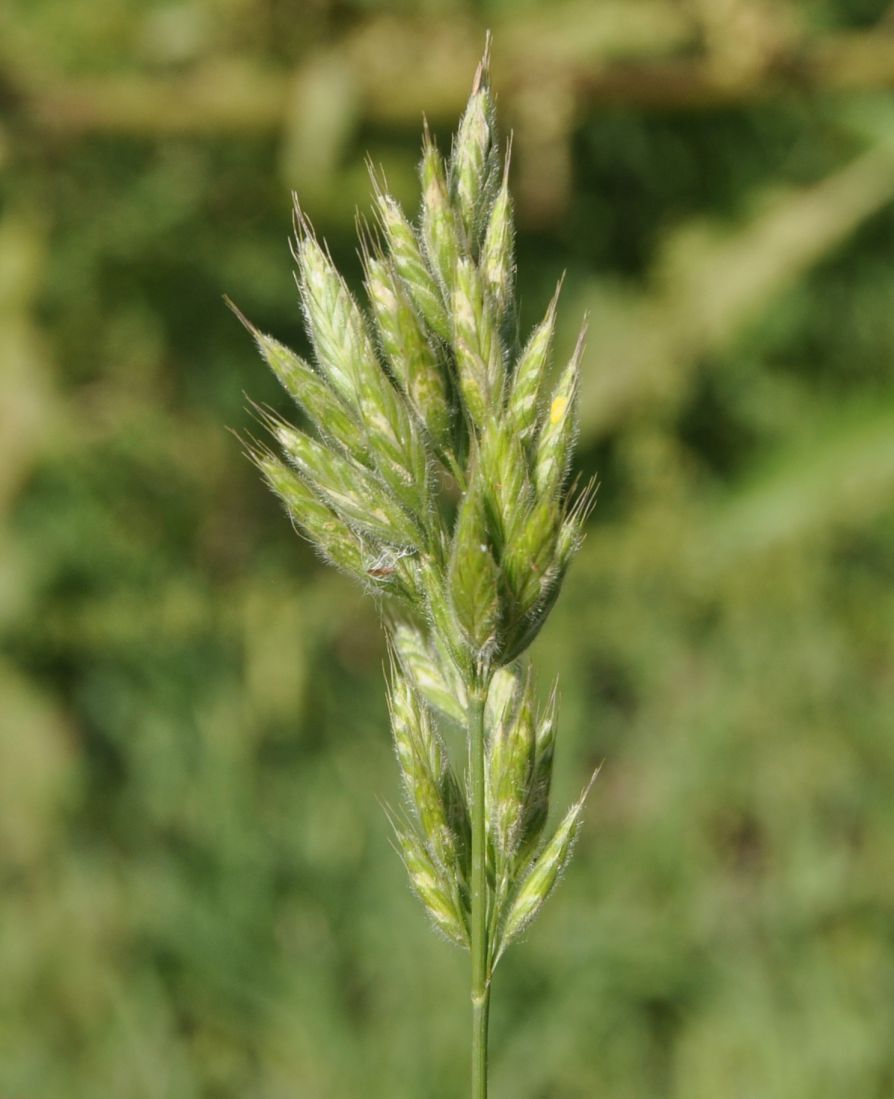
[498, 248]
[474, 160]
[408, 349]
[435, 678]
[335, 324]
[473, 576]
[476, 345]
[334, 539]
[352, 491]
[556, 439]
[431, 886]
[440, 225]
[510, 762]
[536, 806]
[344, 346]
[405, 253]
[503, 474]
[544, 873]
[529, 558]
[424, 768]
[531, 370]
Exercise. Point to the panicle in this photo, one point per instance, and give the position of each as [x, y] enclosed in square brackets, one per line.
[433, 467]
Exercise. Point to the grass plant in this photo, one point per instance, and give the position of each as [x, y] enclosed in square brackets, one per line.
[436, 475]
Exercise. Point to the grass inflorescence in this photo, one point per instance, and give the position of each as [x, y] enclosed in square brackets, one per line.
[436, 475]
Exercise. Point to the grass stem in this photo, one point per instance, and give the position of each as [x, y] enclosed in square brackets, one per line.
[479, 937]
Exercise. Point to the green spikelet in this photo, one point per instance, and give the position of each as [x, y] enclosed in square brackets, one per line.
[335, 540]
[341, 341]
[545, 871]
[476, 345]
[529, 558]
[473, 163]
[536, 807]
[425, 769]
[351, 491]
[571, 531]
[440, 227]
[509, 768]
[473, 576]
[498, 249]
[435, 678]
[310, 392]
[408, 349]
[507, 490]
[502, 695]
[406, 255]
[346, 353]
[525, 396]
[557, 433]
[431, 886]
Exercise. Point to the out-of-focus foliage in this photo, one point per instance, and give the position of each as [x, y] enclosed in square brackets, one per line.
[198, 896]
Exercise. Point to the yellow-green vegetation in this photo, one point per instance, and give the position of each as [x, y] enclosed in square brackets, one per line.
[198, 893]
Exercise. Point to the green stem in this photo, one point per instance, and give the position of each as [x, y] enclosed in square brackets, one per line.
[479, 944]
[479, 1044]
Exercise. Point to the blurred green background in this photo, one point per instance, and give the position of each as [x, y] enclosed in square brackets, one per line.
[198, 894]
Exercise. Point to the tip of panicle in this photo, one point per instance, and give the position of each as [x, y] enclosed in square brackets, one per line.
[428, 141]
[507, 160]
[581, 338]
[482, 73]
[267, 417]
[369, 239]
[239, 315]
[586, 790]
[302, 227]
[253, 449]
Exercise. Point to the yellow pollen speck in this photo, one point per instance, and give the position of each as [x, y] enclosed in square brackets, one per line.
[557, 409]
